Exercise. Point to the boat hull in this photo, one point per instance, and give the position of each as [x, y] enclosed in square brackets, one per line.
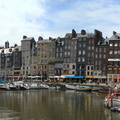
[114, 103]
[83, 90]
[70, 87]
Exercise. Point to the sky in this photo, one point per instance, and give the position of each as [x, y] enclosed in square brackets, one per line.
[55, 18]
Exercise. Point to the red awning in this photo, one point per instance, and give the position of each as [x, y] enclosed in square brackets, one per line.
[117, 78]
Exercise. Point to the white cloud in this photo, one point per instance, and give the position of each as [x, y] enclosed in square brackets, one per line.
[45, 18]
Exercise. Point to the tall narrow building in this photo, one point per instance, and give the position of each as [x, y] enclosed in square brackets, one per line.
[27, 47]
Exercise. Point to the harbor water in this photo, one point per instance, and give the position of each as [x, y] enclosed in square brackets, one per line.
[54, 105]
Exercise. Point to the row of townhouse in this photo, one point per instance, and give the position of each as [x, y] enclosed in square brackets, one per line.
[76, 54]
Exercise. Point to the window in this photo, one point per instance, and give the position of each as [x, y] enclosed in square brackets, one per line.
[115, 52]
[88, 68]
[68, 53]
[104, 56]
[89, 48]
[88, 54]
[104, 50]
[92, 47]
[111, 52]
[65, 53]
[73, 67]
[92, 54]
[73, 72]
[67, 66]
[91, 67]
[83, 59]
[96, 62]
[57, 55]
[60, 54]
[96, 56]
[79, 59]
[115, 44]
[111, 44]
[79, 45]
[96, 49]
[84, 45]
[74, 47]
[79, 52]
[57, 49]
[60, 49]
[83, 52]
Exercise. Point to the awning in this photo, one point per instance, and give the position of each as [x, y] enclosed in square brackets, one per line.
[88, 76]
[117, 78]
[102, 77]
[15, 76]
[74, 77]
[56, 76]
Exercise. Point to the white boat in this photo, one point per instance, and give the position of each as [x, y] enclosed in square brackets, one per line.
[4, 87]
[114, 103]
[37, 86]
[70, 87]
[54, 88]
[18, 85]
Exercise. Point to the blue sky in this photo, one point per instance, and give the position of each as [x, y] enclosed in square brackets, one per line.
[54, 18]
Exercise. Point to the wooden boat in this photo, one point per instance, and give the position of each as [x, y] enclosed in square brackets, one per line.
[83, 89]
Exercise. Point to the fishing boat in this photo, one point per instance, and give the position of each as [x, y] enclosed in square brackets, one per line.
[83, 89]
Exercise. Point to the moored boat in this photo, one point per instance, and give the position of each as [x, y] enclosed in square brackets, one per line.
[37, 86]
[70, 87]
[104, 90]
[83, 89]
[112, 100]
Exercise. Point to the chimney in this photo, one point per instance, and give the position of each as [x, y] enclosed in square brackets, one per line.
[74, 34]
[7, 44]
[83, 32]
[114, 33]
[40, 38]
[24, 37]
[50, 38]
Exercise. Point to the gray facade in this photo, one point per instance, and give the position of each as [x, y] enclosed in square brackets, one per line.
[59, 55]
[28, 51]
[10, 61]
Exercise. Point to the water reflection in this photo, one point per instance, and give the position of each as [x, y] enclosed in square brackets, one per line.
[53, 105]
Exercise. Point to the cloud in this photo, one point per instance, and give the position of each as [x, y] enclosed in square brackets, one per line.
[45, 18]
